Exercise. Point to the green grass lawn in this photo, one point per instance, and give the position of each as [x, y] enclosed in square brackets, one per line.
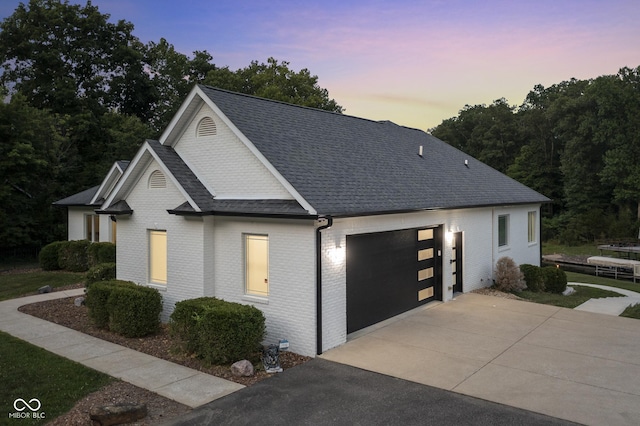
[592, 279]
[581, 295]
[17, 284]
[28, 372]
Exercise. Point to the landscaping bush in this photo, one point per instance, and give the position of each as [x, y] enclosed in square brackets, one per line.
[533, 278]
[184, 320]
[508, 276]
[73, 255]
[230, 332]
[134, 311]
[100, 272]
[555, 279]
[98, 296]
[48, 257]
[220, 332]
[101, 253]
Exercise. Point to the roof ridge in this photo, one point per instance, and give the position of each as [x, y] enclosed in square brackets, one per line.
[339, 114]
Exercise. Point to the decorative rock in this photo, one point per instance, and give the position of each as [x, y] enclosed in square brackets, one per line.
[79, 301]
[568, 291]
[242, 368]
[45, 289]
[107, 415]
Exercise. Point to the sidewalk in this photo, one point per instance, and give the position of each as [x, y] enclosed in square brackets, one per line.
[184, 385]
[608, 305]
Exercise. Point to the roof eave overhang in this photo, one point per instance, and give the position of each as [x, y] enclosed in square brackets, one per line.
[338, 215]
[243, 214]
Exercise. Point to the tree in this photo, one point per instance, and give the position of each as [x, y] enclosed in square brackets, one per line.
[33, 153]
[489, 133]
[68, 58]
[618, 106]
[274, 80]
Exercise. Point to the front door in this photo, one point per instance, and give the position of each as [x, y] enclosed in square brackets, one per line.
[456, 262]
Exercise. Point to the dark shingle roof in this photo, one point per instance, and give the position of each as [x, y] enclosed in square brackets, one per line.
[80, 199]
[344, 165]
[248, 207]
[183, 174]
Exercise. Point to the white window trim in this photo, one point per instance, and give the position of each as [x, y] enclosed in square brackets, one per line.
[150, 282]
[504, 246]
[259, 298]
[534, 241]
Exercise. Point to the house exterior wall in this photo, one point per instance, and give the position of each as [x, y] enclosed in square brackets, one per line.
[76, 224]
[223, 161]
[290, 308]
[185, 242]
[480, 252]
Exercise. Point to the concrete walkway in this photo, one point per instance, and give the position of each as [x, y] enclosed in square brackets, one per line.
[608, 305]
[184, 385]
[565, 363]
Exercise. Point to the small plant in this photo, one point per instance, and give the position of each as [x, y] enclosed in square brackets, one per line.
[217, 331]
[134, 311]
[48, 256]
[102, 252]
[533, 278]
[508, 276]
[73, 255]
[100, 272]
[98, 296]
[555, 279]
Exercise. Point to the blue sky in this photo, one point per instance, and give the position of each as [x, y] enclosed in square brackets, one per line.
[413, 62]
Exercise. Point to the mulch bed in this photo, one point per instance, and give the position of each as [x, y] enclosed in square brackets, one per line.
[160, 345]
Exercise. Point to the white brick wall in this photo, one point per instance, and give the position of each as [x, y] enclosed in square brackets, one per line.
[223, 161]
[76, 229]
[480, 251]
[290, 307]
[185, 242]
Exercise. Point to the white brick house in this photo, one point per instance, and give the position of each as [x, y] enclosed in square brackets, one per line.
[327, 223]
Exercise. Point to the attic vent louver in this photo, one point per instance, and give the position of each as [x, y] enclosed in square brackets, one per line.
[206, 127]
[157, 180]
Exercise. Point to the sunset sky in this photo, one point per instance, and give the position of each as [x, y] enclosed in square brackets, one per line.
[412, 62]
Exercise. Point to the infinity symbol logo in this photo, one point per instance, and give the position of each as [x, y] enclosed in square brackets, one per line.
[26, 404]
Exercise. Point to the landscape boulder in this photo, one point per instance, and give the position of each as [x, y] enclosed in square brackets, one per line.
[117, 414]
[242, 368]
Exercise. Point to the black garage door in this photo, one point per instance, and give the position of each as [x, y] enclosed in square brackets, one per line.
[391, 272]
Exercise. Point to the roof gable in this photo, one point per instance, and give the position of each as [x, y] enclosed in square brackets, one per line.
[344, 165]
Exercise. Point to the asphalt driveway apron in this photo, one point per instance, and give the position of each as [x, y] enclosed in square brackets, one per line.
[574, 365]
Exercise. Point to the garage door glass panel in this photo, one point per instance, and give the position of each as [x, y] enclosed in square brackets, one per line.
[425, 274]
[425, 234]
[425, 254]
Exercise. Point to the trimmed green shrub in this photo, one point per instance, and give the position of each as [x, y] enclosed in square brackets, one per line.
[508, 276]
[134, 311]
[230, 332]
[103, 252]
[100, 272]
[98, 296]
[555, 279]
[217, 331]
[72, 256]
[184, 321]
[533, 278]
[48, 256]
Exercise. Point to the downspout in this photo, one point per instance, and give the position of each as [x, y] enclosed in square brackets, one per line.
[319, 283]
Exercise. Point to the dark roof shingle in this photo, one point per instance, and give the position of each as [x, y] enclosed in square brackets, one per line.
[344, 165]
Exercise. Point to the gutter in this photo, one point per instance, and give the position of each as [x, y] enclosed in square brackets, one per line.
[319, 282]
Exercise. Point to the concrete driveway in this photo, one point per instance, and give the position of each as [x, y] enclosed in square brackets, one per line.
[574, 365]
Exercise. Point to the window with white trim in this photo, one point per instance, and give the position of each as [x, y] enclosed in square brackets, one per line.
[92, 227]
[531, 222]
[158, 257]
[256, 265]
[503, 230]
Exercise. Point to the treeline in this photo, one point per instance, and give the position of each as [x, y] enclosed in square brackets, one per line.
[577, 142]
[81, 92]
